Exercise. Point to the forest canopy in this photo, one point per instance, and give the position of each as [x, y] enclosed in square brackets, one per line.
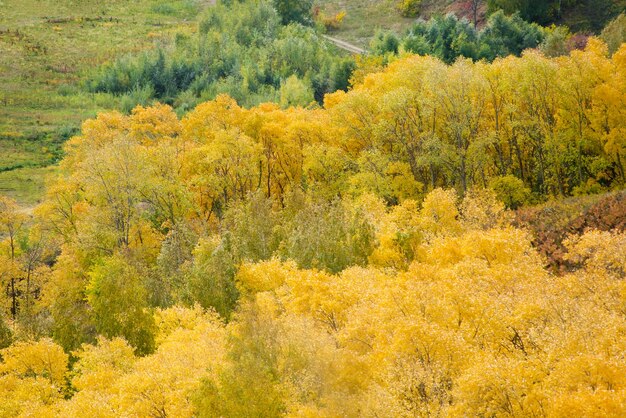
[355, 259]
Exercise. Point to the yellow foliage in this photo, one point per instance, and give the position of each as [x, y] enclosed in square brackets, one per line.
[264, 276]
[600, 252]
[111, 381]
[100, 366]
[440, 214]
[32, 375]
[438, 307]
[155, 123]
[41, 359]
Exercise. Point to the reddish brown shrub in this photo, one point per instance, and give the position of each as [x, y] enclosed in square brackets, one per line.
[552, 222]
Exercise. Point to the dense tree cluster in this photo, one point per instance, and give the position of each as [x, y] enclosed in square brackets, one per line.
[596, 12]
[454, 316]
[241, 49]
[449, 37]
[542, 11]
[298, 11]
[555, 125]
[350, 260]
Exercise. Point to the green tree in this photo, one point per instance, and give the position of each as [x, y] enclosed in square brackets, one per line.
[325, 235]
[119, 300]
[540, 11]
[250, 385]
[614, 34]
[211, 279]
[295, 92]
[298, 11]
[510, 191]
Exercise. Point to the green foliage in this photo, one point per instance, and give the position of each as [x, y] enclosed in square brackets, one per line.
[326, 235]
[555, 42]
[450, 37]
[250, 233]
[445, 37]
[167, 284]
[294, 11]
[384, 42]
[73, 323]
[241, 49]
[315, 234]
[614, 34]
[597, 13]
[508, 35]
[138, 96]
[540, 11]
[211, 278]
[118, 297]
[295, 92]
[250, 387]
[511, 191]
[593, 13]
[251, 228]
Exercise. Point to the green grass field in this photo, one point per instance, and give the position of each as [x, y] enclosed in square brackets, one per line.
[46, 48]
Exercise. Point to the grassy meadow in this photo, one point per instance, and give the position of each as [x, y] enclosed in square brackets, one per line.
[365, 17]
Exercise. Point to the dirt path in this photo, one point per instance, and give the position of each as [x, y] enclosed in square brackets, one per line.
[345, 45]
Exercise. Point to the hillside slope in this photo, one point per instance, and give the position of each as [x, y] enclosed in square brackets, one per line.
[365, 17]
[46, 47]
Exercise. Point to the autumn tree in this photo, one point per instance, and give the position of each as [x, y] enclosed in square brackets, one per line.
[118, 298]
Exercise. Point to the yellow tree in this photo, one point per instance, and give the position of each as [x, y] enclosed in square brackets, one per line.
[12, 223]
[534, 116]
[32, 374]
[118, 297]
[462, 100]
[609, 98]
[577, 77]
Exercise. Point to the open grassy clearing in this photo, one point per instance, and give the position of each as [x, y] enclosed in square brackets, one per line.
[26, 185]
[364, 18]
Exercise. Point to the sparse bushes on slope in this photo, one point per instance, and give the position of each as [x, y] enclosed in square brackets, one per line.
[409, 8]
